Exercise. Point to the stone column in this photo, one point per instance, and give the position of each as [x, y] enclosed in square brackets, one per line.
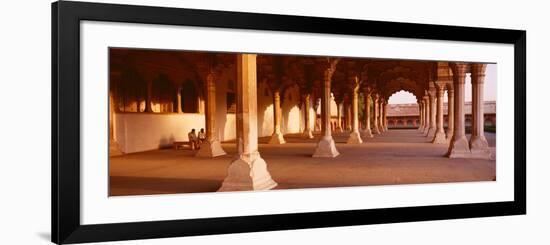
[478, 144]
[385, 115]
[339, 113]
[326, 146]
[347, 117]
[450, 112]
[355, 136]
[178, 99]
[427, 113]
[149, 98]
[381, 115]
[211, 147]
[308, 132]
[277, 136]
[432, 116]
[248, 171]
[439, 137]
[367, 98]
[421, 115]
[376, 128]
[459, 147]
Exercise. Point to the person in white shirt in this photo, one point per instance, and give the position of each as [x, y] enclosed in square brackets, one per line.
[193, 141]
[202, 136]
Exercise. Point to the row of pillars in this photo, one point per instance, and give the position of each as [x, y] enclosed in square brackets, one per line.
[431, 114]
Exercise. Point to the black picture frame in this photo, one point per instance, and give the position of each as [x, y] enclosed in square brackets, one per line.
[65, 140]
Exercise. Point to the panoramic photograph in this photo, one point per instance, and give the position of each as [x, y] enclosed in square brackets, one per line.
[201, 121]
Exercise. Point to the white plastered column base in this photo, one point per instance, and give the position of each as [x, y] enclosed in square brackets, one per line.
[459, 148]
[479, 148]
[248, 173]
[277, 139]
[326, 148]
[355, 138]
[439, 138]
[210, 149]
[367, 133]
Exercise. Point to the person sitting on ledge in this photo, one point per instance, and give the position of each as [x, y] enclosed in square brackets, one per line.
[202, 136]
[193, 141]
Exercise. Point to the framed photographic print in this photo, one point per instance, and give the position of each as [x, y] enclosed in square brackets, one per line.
[177, 122]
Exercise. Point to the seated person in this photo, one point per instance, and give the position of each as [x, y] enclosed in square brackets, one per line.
[202, 136]
[193, 140]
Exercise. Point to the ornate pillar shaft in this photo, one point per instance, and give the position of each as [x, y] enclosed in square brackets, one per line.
[421, 115]
[439, 137]
[277, 136]
[211, 147]
[368, 104]
[433, 113]
[326, 146]
[459, 147]
[308, 132]
[450, 113]
[178, 99]
[339, 112]
[426, 114]
[376, 128]
[249, 170]
[478, 143]
[355, 136]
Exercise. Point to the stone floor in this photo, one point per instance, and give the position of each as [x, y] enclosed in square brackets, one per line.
[395, 157]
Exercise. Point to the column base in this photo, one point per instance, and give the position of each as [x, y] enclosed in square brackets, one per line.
[425, 130]
[277, 139]
[308, 134]
[326, 148]
[210, 149]
[339, 130]
[375, 130]
[439, 138]
[480, 148]
[450, 134]
[248, 173]
[367, 133]
[114, 149]
[431, 133]
[355, 138]
[459, 148]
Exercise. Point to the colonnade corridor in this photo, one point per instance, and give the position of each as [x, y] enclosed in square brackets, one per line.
[397, 156]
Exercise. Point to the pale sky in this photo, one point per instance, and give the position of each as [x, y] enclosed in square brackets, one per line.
[489, 93]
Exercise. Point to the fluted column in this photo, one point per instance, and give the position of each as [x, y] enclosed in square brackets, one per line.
[439, 137]
[385, 118]
[355, 136]
[432, 116]
[277, 136]
[249, 170]
[348, 106]
[308, 132]
[421, 114]
[459, 147]
[380, 115]
[178, 99]
[367, 97]
[426, 114]
[478, 143]
[339, 112]
[376, 128]
[211, 147]
[450, 112]
[326, 146]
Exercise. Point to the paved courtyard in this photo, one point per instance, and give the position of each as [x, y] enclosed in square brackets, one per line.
[395, 157]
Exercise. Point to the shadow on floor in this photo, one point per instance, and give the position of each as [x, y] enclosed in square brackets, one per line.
[128, 185]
